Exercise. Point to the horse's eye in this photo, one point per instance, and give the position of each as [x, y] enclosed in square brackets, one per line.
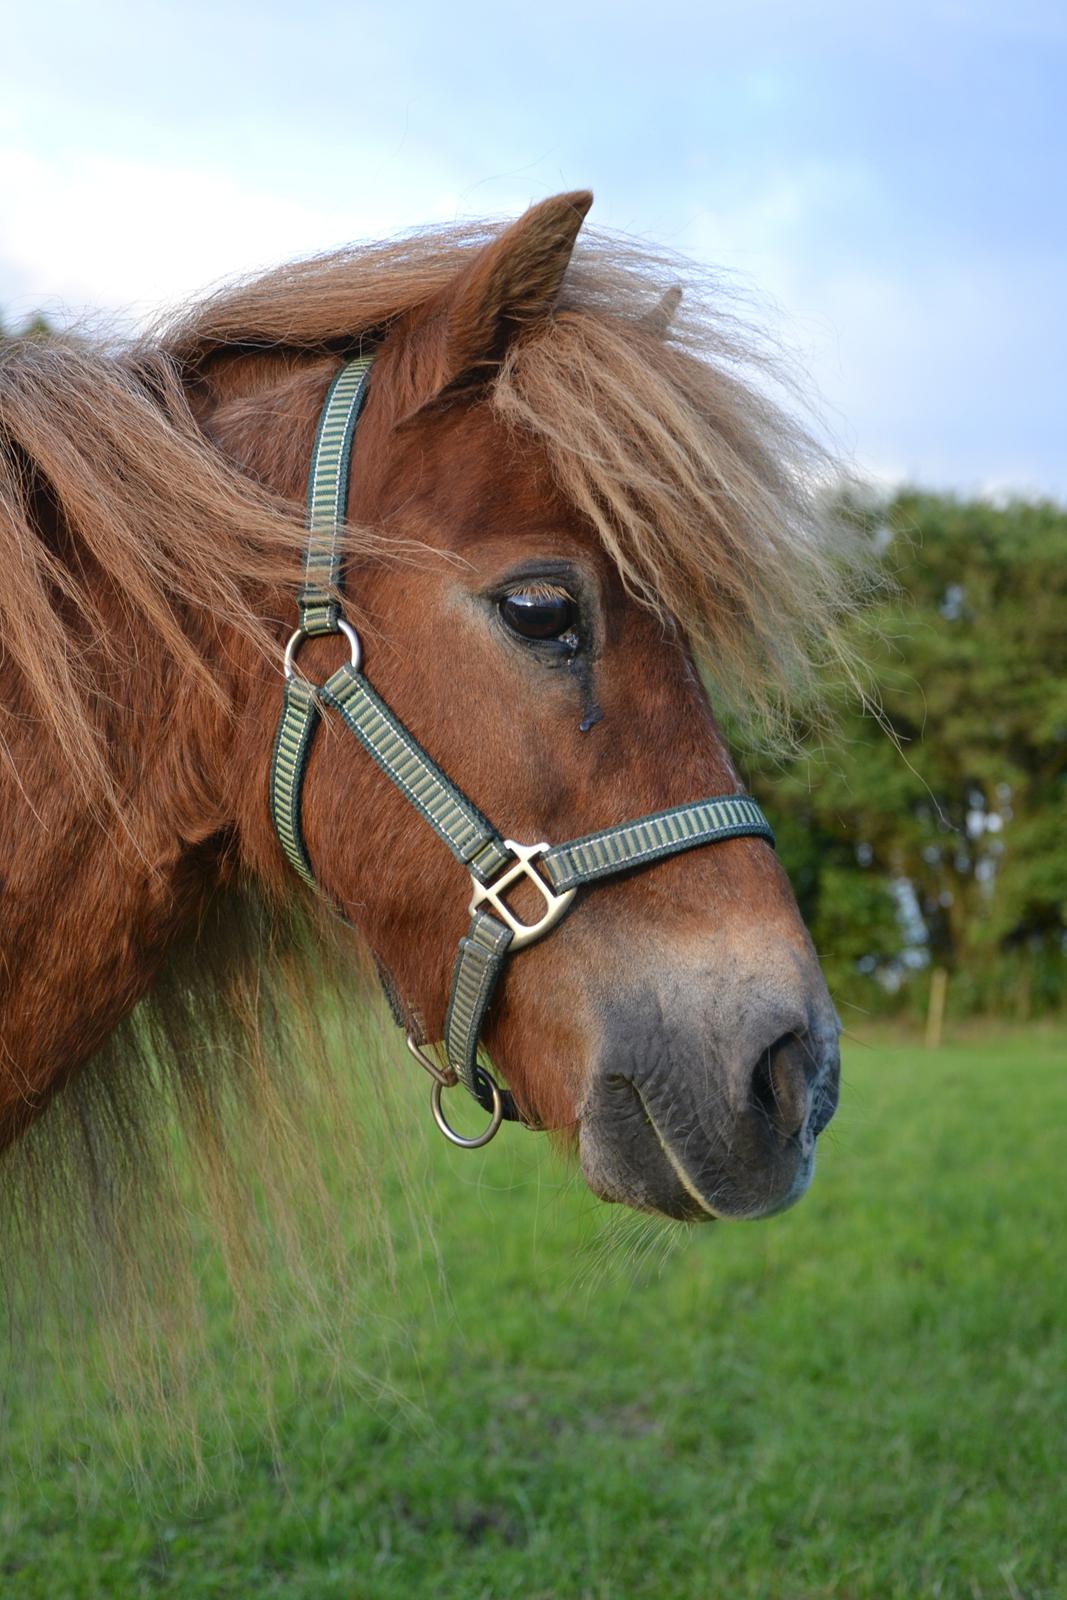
[536, 614]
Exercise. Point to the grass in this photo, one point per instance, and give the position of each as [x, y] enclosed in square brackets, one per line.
[862, 1398]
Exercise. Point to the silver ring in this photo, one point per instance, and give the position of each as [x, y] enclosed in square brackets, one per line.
[457, 1138]
[297, 639]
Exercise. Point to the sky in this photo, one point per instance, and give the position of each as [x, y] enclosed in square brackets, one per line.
[887, 178]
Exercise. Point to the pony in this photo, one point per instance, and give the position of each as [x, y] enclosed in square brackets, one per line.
[580, 534]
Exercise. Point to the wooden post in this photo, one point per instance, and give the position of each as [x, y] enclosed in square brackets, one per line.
[935, 1016]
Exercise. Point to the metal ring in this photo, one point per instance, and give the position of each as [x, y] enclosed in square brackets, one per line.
[457, 1138]
[297, 639]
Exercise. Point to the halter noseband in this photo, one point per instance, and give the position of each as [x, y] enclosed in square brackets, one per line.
[494, 863]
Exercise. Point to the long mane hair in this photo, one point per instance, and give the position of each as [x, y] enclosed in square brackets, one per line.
[656, 416]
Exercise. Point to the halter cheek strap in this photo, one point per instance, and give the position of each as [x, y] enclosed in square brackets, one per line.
[495, 864]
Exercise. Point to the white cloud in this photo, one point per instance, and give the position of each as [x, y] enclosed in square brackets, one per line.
[128, 235]
[89, 230]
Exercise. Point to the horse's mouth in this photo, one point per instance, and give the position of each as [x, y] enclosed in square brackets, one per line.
[660, 1157]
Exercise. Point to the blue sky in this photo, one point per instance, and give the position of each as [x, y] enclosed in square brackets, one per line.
[890, 177]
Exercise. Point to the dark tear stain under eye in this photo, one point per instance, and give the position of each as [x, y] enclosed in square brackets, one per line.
[582, 669]
[568, 651]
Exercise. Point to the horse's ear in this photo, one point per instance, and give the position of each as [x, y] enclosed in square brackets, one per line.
[658, 320]
[510, 284]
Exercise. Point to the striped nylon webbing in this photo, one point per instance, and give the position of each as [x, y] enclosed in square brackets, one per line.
[663, 833]
[475, 975]
[292, 742]
[328, 495]
[472, 840]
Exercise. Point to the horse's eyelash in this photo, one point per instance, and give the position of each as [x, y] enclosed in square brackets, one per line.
[539, 589]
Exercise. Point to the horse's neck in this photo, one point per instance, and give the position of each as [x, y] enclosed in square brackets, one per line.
[91, 900]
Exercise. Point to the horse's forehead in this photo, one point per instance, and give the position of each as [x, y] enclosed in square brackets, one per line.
[477, 479]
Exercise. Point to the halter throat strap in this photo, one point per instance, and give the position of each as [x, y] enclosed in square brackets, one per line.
[495, 863]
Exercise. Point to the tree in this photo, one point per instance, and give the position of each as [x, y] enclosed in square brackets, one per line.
[949, 841]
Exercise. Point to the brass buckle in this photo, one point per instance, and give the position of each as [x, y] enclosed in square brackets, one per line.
[524, 933]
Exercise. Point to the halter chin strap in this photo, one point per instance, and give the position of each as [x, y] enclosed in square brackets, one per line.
[495, 864]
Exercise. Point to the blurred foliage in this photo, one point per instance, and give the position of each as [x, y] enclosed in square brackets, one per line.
[35, 327]
[932, 833]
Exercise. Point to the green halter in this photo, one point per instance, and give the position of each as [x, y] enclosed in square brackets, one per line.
[494, 863]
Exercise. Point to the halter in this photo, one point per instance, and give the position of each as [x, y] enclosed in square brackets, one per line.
[495, 864]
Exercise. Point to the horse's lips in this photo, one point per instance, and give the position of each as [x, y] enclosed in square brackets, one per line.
[625, 1160]
[629, 1158]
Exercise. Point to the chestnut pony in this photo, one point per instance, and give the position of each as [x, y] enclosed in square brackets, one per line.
[564, 500]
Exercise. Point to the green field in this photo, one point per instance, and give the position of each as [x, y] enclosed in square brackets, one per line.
[865, 1397]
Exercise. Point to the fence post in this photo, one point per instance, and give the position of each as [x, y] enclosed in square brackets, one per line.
[935, 1015]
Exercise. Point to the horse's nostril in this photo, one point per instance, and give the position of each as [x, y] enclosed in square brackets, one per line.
[779, 1087]
[825, 1104]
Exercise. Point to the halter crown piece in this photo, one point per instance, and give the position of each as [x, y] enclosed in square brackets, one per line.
[494, 863]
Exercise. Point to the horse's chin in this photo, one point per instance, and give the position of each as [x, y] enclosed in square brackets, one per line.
[627, 1159]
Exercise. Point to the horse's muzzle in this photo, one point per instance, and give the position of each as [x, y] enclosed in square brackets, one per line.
[675, 1122]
